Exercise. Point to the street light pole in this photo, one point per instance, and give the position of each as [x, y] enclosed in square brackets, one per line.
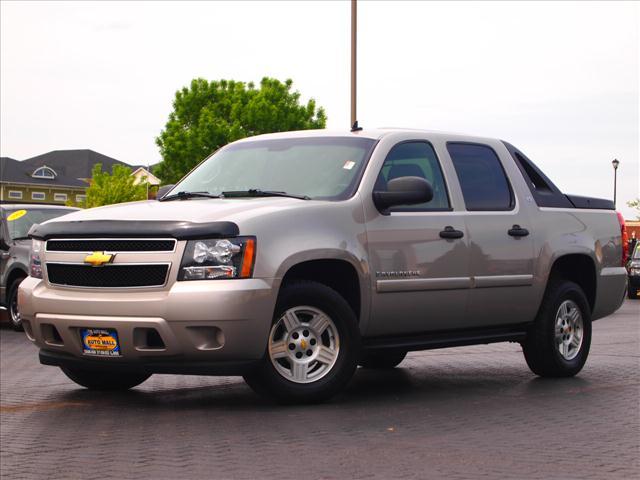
[354, 38]
[615, 164]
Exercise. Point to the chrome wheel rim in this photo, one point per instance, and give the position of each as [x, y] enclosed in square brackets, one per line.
[13, 310]
[569, 330]
[304, 344]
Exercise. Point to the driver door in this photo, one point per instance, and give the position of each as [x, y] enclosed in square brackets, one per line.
[420, 275]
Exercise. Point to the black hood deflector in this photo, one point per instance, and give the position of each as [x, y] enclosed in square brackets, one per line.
[179, 230]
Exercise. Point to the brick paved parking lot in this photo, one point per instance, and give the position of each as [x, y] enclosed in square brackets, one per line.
[474, 412]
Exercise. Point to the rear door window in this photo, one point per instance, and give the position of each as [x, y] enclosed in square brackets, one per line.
[415, 159]
[482, 179]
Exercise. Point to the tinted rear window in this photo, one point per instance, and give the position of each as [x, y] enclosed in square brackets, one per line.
[482, 178]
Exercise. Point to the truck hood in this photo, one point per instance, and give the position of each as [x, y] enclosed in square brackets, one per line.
[191, 210]
[181, 219]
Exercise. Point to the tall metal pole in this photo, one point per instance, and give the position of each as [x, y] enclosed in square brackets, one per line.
[354, 38]
[615, 183]
[615, 164]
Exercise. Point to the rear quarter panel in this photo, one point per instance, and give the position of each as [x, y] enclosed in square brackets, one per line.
[594, 233]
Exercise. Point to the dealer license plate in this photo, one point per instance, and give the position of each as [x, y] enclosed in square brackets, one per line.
[100, 342]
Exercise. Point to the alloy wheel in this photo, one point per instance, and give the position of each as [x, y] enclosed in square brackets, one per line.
[304, 344]
[569, 330]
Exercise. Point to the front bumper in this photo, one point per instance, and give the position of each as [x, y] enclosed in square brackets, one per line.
[204, 326]
[634, 281]
[157, 365]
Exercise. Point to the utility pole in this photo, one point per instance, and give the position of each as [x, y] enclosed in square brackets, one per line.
[354, 38]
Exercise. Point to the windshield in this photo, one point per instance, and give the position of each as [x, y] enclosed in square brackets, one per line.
[19, 221]
[326, 168]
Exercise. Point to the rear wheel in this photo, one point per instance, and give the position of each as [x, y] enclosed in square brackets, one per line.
[312, 348]
[558, 343]
[12, 302]
[105, 380]
[382, 360]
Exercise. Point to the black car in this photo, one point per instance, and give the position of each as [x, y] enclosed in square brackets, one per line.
[633, 269]
[15, 246]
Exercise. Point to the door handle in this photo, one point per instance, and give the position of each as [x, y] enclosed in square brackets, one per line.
[518, 231]
[450, 232]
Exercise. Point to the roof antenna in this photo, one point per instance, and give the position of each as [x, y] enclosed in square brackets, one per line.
[355, 127]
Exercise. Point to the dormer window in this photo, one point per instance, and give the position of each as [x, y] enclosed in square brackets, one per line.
[44, 172]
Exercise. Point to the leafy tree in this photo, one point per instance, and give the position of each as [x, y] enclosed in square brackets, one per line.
[208, 115]
[116, 187]
[635, 204]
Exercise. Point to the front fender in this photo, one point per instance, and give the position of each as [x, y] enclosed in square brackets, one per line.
[359, 264]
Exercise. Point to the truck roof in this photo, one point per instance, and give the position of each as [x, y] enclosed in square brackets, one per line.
[373, 133]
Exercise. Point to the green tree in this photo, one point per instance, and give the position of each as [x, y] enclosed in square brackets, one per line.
[635, 204]
[208, 115]
[115, 187]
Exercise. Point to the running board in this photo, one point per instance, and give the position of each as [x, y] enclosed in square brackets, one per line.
[455, 338]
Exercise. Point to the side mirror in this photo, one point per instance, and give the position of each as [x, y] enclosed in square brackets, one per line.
[163, 190]
[403, 191]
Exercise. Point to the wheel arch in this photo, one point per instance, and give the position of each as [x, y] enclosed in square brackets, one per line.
[580, 269]
[339, 272]
[12, 276]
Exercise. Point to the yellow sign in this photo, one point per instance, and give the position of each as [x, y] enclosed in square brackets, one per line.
[99, 258]
[101, 342]
[16, 215]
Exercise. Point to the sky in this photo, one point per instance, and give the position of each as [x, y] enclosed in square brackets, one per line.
[558, 80]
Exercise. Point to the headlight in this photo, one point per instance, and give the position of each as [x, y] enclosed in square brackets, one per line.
[220, 258]
[35, 264]
[635, 272]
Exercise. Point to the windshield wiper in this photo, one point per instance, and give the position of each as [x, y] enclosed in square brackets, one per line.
[255, 192]
[185, 195]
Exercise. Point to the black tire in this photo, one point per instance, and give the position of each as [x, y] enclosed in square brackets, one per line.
[632, 292]
[12, 305]
[266, 380]
[540, 349]
[94, 380]
[382, 360]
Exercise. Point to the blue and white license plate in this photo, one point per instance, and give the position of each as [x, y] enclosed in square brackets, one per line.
[100, 342]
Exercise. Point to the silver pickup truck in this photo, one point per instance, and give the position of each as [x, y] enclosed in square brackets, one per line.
[293, 258]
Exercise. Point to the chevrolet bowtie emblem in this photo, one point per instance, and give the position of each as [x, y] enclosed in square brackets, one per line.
[99, 258]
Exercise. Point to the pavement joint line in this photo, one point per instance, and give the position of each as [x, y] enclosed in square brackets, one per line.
[40, 406]
[614, 355]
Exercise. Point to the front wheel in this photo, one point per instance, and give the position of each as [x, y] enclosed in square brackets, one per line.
[313, 346]
[96, 380]
[558, 343]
